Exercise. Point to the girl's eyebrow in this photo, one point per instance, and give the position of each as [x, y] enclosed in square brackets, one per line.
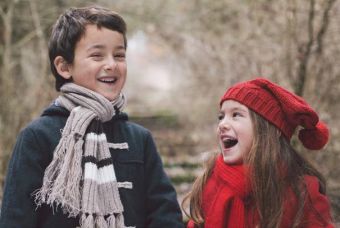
[242, 110]
[239, 109]
[233, 109]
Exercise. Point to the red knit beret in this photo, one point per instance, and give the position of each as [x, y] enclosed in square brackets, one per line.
[282, 108]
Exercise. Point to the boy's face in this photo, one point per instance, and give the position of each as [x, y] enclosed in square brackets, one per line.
[99, 62]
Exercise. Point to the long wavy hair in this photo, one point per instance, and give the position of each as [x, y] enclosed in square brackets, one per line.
[274, 166]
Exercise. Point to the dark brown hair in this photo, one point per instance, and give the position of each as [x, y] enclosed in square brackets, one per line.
[70, 27]
[274, 167]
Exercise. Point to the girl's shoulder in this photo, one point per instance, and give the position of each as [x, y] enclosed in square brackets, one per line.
[312, 184]
[317, 207]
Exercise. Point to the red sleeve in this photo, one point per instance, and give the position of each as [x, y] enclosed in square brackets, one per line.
[191, 224]
[317, 210]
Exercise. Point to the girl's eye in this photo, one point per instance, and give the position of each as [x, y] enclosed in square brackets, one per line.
[236, 114]
[220, 116]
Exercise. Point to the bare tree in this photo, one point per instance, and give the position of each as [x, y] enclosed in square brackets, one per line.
[208, 45]
[314, 39]
[24, 71]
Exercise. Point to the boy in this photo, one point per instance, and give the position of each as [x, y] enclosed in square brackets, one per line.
[82, 163]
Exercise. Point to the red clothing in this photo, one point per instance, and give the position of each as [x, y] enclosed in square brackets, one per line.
[226, 190]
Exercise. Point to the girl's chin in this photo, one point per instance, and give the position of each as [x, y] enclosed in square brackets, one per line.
[231, 160]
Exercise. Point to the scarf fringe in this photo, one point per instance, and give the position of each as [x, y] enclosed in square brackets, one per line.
[100, 222]
[120, 220]
[87, 221]
[57, 193]
[113, 221]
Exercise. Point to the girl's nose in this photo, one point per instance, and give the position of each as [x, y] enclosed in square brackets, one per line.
[223, 126]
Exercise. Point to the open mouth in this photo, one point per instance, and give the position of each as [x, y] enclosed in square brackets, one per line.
[108, 80]
[229, 142]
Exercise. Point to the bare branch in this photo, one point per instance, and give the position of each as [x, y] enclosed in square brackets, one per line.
[23, 41]
[324, 26]
[2, 13]
[40, 35]
[302, 71]
[7, 37]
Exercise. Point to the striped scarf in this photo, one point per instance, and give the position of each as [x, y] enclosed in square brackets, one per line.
[81, 177]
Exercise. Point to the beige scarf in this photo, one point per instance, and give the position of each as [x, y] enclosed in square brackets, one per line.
[81, 177]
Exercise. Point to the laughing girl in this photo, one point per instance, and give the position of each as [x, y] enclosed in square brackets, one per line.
[258, 179]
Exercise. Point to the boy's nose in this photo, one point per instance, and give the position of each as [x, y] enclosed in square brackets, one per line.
[110, 65]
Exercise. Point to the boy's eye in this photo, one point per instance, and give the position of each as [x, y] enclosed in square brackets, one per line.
[220, 116]
[96, 56]
[120, 56]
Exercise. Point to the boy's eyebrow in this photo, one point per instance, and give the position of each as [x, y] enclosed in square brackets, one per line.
[120, 46]
[101, 46]
[96, 46]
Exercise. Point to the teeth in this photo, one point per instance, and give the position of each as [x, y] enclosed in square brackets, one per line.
[229, 142]
[107, 80]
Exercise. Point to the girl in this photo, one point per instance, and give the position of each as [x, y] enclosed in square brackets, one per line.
[258, 179]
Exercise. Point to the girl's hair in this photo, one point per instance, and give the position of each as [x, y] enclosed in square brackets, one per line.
[274, 166]
[70, 27]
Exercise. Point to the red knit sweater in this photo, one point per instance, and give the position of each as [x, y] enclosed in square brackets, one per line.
[226, 190]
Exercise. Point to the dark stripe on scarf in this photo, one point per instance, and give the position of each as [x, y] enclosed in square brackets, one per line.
[95, 127]
[101, 163]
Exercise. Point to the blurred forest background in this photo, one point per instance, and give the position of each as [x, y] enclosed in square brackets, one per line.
[182, 55]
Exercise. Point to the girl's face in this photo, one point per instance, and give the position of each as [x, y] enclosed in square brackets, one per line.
[235, 132]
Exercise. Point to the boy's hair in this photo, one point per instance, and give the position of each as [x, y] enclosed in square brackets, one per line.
[70, 27]
[271, 157]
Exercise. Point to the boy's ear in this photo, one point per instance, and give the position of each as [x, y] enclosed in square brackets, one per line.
[62, 67]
